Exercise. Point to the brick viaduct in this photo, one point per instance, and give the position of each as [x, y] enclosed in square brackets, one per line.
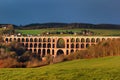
[44, 45]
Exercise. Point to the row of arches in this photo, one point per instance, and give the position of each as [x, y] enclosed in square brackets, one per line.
[44, 52]
[44, 45]
[53, 40]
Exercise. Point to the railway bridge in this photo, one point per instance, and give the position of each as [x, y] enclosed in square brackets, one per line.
[44, 45]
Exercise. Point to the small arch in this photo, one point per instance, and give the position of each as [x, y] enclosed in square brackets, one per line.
[26, 45]
[43, 53]
[67, 45]
[6, 39]
[40, 40]
[49, 40]
[72, 40]
[87, 40]
[82, 46]
[35, 40]
[72, 45]
[27, 40]
[10, 39]
[35, 45]
[67, 40]
[52, 52]
[31, 45]
[31, 39]
[82, 40]
[77, 40]
[18, 40]
[60, 52]
[44, 45]
[87, 45]
[30, 50]
[48, 51]
[49, 45]
[72, 51]
[67, 52]
[40, 45]
[44, 39]
[92, 40]
[35, 51]
[98, 40]
[103, 39]
[14, 39]
[39, 52]
[23, 40]
[77, 45]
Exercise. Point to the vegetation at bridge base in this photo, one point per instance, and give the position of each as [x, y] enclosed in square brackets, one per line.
[103, 49]
[107, 68]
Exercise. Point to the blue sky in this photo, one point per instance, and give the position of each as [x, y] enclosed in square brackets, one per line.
[67, 11]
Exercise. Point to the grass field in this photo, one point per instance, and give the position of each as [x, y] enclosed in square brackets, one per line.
[93, 69]
[102, 32]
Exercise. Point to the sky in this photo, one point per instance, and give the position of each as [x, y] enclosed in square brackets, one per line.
[21, 12]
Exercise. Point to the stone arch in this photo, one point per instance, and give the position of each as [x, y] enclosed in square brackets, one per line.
[82, 46]
[40, 45]
[14, 39]
[60, 43]
[49, 45]
[6, 39]
[72, 45]
[43, 52]
[49, 40]
[44, 39]
[31, 39]
[72, 40]
[82, 40]
[40, 40]
[18, 40]
[48, 51]
[52, 52]
[44, 45]
[77, 40]
[67, 52]
[27, 40]
[35, 40]
[93, 40]
[72, 51]
[31, 45]
[60, 52]
[30, 50]
[35, 45]
[103, 39]
[98, 40]
[39, 51]
[77, 45]
[87, 40]
[35, 50]
[23, 40]
[87, 45]
[26, 45]
[10, 39]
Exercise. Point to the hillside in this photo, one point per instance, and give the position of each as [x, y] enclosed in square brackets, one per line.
[70, 25]
[65, 26]
[87, 69]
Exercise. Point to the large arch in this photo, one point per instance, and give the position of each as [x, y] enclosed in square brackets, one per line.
[60, 52]
[60, 43]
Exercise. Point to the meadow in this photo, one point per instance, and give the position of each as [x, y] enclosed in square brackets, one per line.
[107, 68]
[98, 32]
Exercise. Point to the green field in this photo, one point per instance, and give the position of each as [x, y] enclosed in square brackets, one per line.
[101, 32]
[87, 69]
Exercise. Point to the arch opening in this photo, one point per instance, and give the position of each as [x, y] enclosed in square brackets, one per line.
[60, 43]
[60, 52]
